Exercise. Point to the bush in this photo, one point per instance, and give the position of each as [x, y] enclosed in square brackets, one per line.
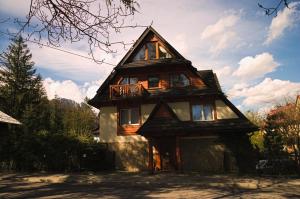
[58, 152]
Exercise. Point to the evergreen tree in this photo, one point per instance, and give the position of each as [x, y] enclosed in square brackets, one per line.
[273, 140]
[20, 87]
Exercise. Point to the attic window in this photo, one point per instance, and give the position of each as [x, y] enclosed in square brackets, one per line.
[152, 50]
[163, 53]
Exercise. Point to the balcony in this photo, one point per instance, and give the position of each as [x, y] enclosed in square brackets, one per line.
[126, 91]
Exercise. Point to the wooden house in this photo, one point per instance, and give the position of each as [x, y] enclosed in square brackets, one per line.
[158, 112]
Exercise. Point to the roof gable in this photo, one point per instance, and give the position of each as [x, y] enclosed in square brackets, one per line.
[149, 35]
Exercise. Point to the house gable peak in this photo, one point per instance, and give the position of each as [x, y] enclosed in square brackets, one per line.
[150, 46]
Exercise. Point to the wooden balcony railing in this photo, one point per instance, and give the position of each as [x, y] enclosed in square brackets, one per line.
[126, 90]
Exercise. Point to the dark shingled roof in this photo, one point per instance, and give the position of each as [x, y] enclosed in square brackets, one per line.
[156, 62]
[163, 126]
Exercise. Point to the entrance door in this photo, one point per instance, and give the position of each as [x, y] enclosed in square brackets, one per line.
[164, 154]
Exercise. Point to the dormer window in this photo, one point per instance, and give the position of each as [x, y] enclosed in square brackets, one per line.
[179, 80]
[152, 50]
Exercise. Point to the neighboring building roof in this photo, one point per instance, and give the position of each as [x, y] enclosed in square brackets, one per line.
[169, 124]
[4, 118]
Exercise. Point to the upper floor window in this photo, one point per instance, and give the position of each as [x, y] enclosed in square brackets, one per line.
[202, 112]
[129, 116]
[152, 50]
[129, 80]
[179, 80]
[153, 82]
[163, 53]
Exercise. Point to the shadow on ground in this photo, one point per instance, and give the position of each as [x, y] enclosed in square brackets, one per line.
[143, 185]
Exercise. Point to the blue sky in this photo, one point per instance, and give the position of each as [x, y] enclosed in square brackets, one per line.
[255, 56]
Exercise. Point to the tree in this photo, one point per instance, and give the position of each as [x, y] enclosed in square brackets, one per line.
[74, 20]
[288, 126]
[23, 97]
[20, 86]
[273, 140]
[257, 137]
[273, 10]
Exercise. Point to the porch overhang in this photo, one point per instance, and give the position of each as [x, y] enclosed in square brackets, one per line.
[161, 127]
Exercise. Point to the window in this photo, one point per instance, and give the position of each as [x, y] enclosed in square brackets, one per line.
[129, 80]
[163, 53]
[140, 55]
[151, 46]
[152, 50]
[179, 80]
[202, 112]
[153, 81]
[129, 116]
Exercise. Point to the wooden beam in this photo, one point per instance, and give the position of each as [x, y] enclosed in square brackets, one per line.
[178, 156]
[150, 158]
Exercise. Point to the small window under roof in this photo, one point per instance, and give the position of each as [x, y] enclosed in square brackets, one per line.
[152, 50]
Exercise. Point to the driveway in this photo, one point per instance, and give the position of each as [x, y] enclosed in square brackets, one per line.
[143, 185]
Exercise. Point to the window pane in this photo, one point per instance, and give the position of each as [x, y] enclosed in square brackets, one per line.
[124, 119]
[135, 116]
[179, 80]
[125, 80]
[184, 80]
[140, 55]
[163, 53]
[153, 82]
[208, 115]
[151, 50]
[197, 112]
[133, 80]
[174, 80]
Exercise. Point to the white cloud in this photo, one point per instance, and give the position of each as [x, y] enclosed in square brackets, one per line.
[70, 66]
[266, 93]
[70, 90]
[15, 7]
[221, 34]
[284, 20]
[256, 67]
[180, 43]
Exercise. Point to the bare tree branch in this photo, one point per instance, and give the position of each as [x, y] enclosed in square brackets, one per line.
[274, 10]
[75, 20]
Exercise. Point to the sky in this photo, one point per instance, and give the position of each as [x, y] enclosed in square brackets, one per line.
[256, 57]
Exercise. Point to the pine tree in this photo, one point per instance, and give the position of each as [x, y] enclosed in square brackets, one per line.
[20, 86]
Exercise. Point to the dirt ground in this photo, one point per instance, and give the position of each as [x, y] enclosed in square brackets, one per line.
[143, 185]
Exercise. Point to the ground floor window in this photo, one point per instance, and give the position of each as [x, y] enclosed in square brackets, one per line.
[202, 112]
[129, 116]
